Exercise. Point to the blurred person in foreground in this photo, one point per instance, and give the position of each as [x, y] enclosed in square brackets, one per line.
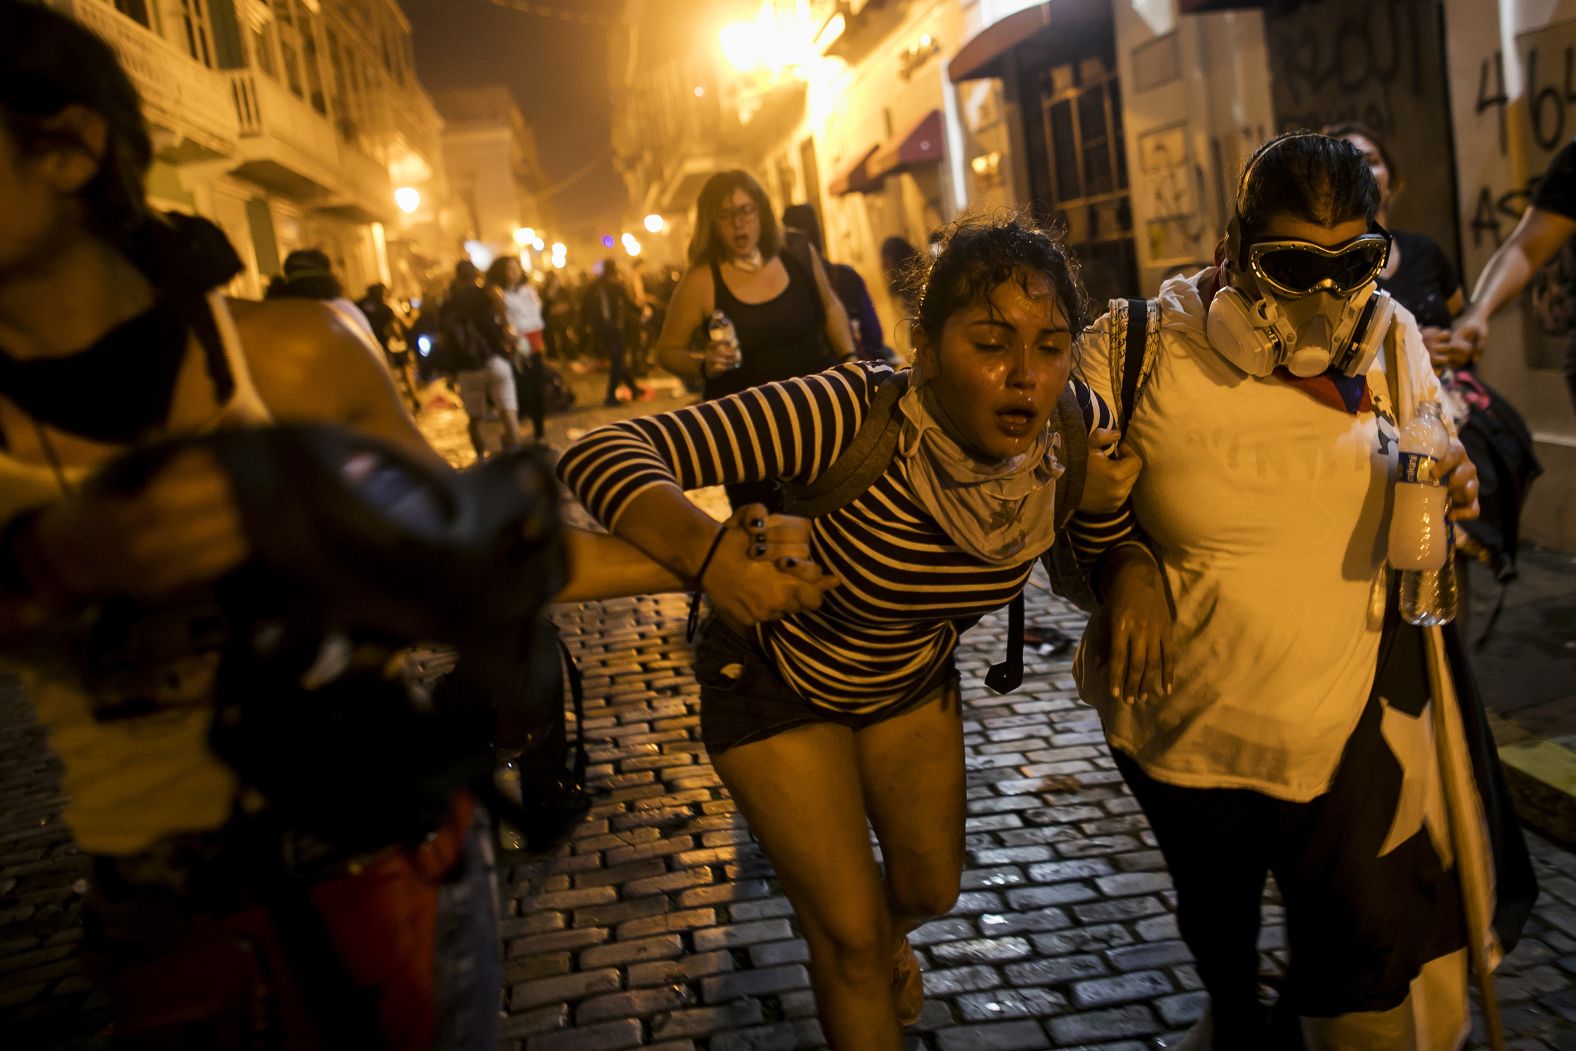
[210, 921]
[786, 319]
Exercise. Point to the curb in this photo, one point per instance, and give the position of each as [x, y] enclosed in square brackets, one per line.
[1541, 776]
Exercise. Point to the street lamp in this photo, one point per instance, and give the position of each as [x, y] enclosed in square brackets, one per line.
[654, 224]
[524, 235]
[408, 199]
[631, 245]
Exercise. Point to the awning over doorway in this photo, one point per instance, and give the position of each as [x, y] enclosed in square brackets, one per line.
[986, 55]
[856, 178]
[923, 144]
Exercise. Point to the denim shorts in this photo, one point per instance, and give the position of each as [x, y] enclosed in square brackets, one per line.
[743, 699]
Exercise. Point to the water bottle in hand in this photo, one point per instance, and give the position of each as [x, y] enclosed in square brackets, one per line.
[1420, 546]
[719, 329]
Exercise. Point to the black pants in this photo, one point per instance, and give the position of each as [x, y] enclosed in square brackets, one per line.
[617, 373]
[528, 384]
[1359, 926]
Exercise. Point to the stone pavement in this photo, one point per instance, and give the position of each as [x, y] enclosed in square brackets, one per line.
[660, 925]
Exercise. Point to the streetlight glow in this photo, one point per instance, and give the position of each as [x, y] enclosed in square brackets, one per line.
[631, 245]
[408, 199]
[744, 45]
[654, 224]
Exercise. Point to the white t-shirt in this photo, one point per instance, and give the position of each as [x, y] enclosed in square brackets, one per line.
[524, 308]
[1270, 512]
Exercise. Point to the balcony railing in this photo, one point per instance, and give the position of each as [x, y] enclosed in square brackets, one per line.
[179, 94]
[279, 128]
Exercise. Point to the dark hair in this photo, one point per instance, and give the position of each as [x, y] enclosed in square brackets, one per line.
[977, 254]
[802, 217]
[307, 274]
[497, 271]
[49, 62]
[1306, 174]
[1352, 127]
[465, 272]
[376, 291]
[705, 246]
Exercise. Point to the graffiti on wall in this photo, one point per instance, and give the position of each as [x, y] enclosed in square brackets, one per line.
[1548, 73]
[1350, 62]
[1174, 184]
[1379, 63]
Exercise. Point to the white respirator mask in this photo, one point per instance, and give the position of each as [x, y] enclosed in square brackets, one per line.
[1308, 335]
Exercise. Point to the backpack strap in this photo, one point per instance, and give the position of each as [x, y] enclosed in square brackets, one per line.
[1132, 368]
[1067, 579]
[1068, 419]
[864, 460]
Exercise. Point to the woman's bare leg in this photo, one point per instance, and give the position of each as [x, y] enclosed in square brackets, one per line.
[801, 793]
[911, 768]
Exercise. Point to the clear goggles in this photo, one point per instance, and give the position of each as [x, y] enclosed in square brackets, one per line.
[1300, 268]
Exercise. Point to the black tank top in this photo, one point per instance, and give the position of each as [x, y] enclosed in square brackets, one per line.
[778, 339]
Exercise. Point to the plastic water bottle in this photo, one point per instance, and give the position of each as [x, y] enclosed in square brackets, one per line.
[719, 329]
[1420, 543]
[1431, 596]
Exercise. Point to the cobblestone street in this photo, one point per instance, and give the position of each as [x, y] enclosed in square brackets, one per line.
[660, 924]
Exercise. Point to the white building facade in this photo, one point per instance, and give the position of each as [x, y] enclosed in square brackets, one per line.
[290, 123]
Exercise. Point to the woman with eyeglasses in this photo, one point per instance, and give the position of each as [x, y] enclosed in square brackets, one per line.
[1285, 739]
[787, 320]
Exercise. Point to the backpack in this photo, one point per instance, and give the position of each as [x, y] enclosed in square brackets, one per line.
[1500, 446]
[466, 338]
[869, 455]
[1553, 292]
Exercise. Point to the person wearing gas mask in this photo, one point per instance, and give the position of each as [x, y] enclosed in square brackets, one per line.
[1258, 404]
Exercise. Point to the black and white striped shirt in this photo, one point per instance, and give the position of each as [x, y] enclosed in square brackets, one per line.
[907, 589]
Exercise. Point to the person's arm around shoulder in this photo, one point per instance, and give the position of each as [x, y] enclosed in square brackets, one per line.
[691, 302]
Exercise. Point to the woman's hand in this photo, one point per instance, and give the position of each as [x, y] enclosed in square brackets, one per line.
[747, 591]
[1470, 335]
[1446, 350]
[182, 528]
[1109, 477]
[1461, 478]
[719, 357]
[780, 539]
[1132, 631]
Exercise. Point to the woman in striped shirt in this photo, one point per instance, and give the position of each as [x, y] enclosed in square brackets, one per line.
[847, 713]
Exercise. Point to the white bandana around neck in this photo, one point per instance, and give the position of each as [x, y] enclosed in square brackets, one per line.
[1003, 514]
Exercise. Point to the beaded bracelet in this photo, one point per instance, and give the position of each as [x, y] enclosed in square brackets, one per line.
[700, 574]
